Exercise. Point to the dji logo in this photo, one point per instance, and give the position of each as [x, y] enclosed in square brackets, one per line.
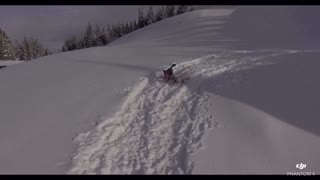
[301, 166]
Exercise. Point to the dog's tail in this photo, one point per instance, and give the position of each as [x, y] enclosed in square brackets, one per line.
[173, 65]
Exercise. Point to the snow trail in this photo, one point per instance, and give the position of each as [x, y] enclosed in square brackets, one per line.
[160, 124]
[150, 134]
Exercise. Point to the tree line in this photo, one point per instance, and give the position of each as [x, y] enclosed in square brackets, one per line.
[100, 36]
[29, 48]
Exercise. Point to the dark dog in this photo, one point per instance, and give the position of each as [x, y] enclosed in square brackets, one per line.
[168, 73]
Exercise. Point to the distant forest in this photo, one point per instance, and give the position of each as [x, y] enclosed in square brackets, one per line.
[30, 48]
[101, 36]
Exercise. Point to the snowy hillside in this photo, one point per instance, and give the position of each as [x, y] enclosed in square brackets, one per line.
[248, 107]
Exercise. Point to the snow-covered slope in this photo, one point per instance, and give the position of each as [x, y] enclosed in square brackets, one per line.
[268, 115]
[258, 98]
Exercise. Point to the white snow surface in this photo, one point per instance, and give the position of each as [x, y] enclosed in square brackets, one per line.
[248, 107]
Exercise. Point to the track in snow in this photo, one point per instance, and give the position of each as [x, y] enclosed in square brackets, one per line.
[159, 124]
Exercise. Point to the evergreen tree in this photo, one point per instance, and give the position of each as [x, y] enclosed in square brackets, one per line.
[88, 36]
[30, 48]
[73, 43]
[159, 14]
[163, 14]
[109, 34]
[141, 18]
[131, 26]
[190, 8]
[127, 28]
[182, 9]
[135, 25]
[97, 36]
[169, 11]
[18, 50]
[77, 42]
[123, 29]
[82, 43]
[34, 49]
[27, 54]
[104, 37]
[46, 52]
[117, 31]
[150, 16]
[6, 48]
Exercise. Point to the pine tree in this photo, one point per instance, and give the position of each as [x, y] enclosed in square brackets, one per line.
[150, 16]
[141, 18]
[104, 37]
[97, 35]
[73, 43]
[110, 33]
[135, 25]
[30, 48]
[114, 32]
[123, 29]
[38, 50]
[18, 51]
[181, 9]
[82, 43]
[88, 36]
[127, 28]
[117, 31]
[131, 26]
[169, 11]
[67, 45]
[160, 14]
[190, 8]
[6, 48]
[78, 42]
[46, 52]
[26, 51]
[34, 48]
